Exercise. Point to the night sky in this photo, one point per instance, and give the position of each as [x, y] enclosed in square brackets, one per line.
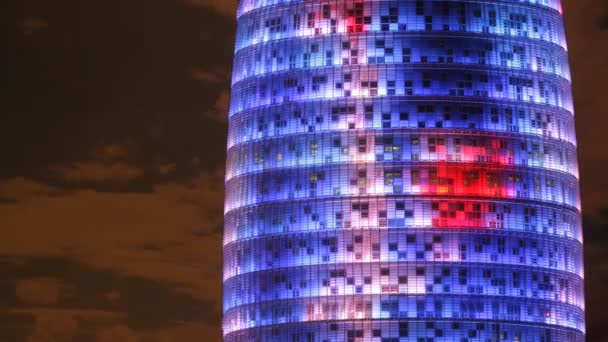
[112, 147]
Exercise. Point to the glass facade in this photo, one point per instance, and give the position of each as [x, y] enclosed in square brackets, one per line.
[402, 171]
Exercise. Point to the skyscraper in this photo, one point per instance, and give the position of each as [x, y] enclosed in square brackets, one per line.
[402, 171]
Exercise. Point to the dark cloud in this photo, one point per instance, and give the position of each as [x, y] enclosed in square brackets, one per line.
[603, 23]
[15, 328]
[146, 262]
[596, 273]
[33, 25]
[224, 7]
[143, 306]
[116, 72]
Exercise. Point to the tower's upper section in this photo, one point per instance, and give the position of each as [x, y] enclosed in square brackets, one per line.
[277, 37]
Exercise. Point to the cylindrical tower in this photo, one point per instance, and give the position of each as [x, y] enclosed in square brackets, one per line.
[402, 171]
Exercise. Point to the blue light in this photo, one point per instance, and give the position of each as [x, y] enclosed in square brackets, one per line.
[402, 171]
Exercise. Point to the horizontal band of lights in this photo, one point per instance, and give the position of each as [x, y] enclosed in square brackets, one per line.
[490, 151]
[527, 88]
[402, 171]
[413, 51]
[249, 5]
[332, 250]
[398, 213]
[501, 19]
[391, 115]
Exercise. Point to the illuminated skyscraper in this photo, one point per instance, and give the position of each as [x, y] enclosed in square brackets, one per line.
[402, 171]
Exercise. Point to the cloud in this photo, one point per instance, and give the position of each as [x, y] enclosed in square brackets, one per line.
[167, 168]
[172, 233]
[118, 333]
[223, 7]
[202, 74]
[53, 327]
[41, 291]
[603, 23]
[223, 102]
[110, 232]
[96, 171]
[219, 112]
[34, 24]
[108, 303]
[113, 296]
[91, 315]
[596, 272]
[110, 152]
[21, 188]
[187, 332]
[60, 325]
[107, 163]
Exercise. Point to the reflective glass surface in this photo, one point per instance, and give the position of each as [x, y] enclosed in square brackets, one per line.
[402, 171]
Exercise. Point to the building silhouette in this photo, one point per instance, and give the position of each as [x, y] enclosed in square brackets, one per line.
[402, 171]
